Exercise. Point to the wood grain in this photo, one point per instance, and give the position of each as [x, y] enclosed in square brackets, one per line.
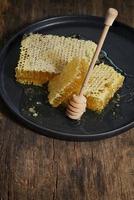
[34, 167]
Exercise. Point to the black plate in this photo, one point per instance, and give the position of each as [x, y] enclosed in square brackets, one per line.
[116, 118]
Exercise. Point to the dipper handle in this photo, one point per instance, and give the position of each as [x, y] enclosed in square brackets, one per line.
[110, 17]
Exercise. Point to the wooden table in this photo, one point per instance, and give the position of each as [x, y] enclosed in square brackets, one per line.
[35, 167]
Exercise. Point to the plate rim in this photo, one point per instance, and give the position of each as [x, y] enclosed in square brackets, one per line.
[46, 131]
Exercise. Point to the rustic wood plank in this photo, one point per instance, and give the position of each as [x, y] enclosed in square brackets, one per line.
[36, 167]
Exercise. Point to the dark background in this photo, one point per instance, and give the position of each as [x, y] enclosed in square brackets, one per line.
[35, 167]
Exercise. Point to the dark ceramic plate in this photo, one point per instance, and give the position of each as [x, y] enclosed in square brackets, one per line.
[30, 104]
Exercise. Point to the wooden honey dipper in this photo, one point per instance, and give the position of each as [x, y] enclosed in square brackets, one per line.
[77, 105]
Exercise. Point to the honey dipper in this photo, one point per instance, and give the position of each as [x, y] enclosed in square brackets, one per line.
[77, 105]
